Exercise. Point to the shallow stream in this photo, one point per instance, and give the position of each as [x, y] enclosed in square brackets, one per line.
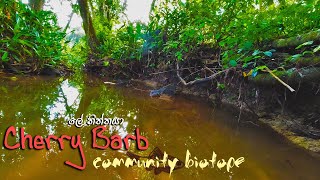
[43, 106]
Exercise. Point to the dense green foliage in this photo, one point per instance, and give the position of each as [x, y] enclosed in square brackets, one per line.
[29, 37]
[238, 33]
[238, 28]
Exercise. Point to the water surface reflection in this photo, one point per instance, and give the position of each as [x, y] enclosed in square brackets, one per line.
[43, 106]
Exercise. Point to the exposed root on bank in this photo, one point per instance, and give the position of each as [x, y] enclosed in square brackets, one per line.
[198, 80]
[251, 123]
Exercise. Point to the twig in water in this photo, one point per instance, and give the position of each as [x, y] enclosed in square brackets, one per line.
[111, 83]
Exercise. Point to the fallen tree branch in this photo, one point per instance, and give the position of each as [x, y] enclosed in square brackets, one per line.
[297, 40]
[277, 78]
[308, 61]
[198, 80]
[293, 76]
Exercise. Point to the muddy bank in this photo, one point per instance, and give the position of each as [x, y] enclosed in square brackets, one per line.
[27, 69]
[294, 115]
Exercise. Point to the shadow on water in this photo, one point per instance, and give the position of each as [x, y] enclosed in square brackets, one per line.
[42, 105]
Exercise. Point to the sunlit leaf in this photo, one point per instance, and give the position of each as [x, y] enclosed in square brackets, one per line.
[316, 49]
[256, 52]
[305, 44]
[106, 63]
[5, 57]
[179, 55]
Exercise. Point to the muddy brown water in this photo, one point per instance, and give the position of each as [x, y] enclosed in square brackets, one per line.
[42, 105]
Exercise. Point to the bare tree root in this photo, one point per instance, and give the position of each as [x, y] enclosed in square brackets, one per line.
[198, 80]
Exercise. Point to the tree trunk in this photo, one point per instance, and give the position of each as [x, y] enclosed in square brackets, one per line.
[87, 25]
[309, 75]
[296, 41]
[36, 5]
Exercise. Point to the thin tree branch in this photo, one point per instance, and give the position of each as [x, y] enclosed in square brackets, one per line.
[198, 80]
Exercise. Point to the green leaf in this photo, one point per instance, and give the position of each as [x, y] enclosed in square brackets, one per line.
[16, 58]
[304, 44]
[233, 63]
[179, 55]
[268, 53]
[260, 68]
[247, 45]
[106, 63]
[254, 73]
[218, 36]
[316, 49]
[222, 44]
[257, 57]
[221, 86]
[24, 42]
[294, 57]
[247, 59]
[256, 52]
[307, 52]
[5, 57]
[27, 51]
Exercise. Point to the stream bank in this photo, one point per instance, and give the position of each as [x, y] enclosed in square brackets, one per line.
[295, 115]
[278, 86]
